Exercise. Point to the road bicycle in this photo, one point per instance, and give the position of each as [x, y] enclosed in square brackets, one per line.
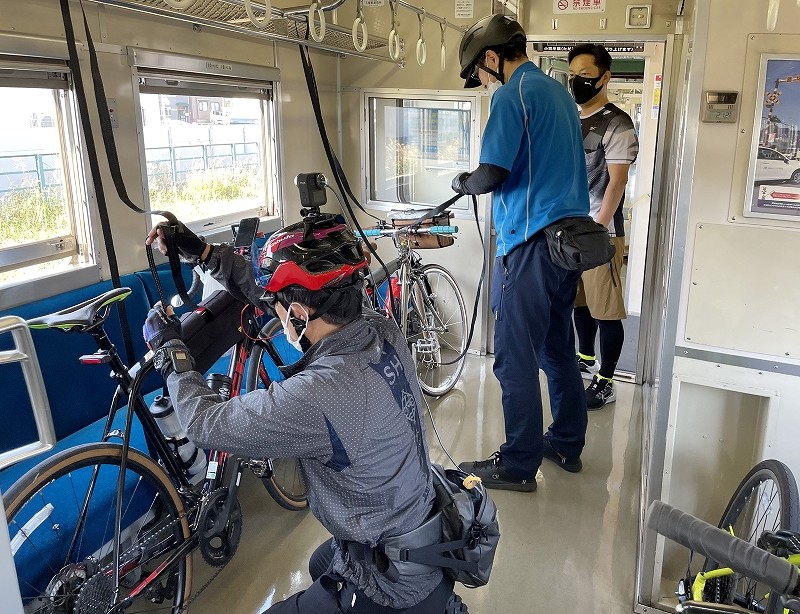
[427, 304]
[102, 526]
[758, 532]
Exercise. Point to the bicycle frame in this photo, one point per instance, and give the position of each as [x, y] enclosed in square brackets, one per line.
[700, 580]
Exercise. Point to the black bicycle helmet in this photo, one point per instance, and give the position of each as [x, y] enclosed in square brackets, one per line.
[312, 258]
[491, 31]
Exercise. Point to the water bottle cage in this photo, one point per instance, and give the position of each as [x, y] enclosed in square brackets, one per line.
[175, 443]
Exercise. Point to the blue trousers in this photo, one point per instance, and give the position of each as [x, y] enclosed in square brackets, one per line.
[532, 301]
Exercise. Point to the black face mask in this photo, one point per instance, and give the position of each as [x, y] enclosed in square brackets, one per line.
[584, 88]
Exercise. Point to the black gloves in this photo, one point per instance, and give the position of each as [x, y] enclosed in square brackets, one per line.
[160, 327]
[190, 246]
[458, 183]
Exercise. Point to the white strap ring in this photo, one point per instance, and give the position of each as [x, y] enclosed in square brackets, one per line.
[180, 4]
[264, 21]
[394, 45]
[317, 35]
[360, 23]
[422, 52]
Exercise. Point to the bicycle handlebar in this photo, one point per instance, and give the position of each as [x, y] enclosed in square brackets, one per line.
[428, 230]
[719, 545]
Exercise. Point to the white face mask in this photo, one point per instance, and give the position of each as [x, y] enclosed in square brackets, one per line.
[286, 331]
[492, 87]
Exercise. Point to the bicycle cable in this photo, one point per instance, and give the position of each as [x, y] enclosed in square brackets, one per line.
[436, 432]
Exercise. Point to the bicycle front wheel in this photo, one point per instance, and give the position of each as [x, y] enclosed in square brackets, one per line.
[61, 517]
[437, 329]
[766, 500]
[285, 485]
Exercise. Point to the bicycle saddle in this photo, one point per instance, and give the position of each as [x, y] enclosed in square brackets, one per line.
[82, 316]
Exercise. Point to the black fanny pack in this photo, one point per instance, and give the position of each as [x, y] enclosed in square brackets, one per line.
[212, 328]
[579, 243]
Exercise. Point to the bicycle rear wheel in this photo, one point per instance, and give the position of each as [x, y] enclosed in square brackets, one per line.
[61, 521]
[437, 329]
[285, 485]
[766, 500]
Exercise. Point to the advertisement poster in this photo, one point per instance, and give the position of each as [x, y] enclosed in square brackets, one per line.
[774, 177]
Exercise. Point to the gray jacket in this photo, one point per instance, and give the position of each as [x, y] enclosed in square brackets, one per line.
[350, 411]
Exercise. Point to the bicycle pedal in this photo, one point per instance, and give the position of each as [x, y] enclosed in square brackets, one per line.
[98, 358]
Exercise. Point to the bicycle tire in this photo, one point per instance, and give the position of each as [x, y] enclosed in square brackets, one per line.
[765, 500]
[285, 485]
[41, 556]
[437, 329]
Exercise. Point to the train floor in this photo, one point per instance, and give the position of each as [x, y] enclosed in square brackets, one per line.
[568, 547]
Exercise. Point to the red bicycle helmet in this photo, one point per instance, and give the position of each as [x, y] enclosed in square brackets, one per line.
[331, 253]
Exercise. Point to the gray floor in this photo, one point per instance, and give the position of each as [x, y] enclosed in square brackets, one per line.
[569, 547]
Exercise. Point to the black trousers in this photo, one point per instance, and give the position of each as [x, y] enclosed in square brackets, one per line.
[324, 597]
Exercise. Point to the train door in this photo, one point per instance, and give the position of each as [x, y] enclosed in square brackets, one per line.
[637, 75]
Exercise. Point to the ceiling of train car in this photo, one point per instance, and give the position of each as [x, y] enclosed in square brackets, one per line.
[232, 16]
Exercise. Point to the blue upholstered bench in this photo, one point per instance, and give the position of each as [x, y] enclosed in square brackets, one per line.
[79, 395]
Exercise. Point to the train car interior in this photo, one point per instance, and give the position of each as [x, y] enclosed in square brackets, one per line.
[241, 117]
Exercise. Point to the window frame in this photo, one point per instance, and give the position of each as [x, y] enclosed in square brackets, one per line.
[155, 72]
[461, 208]
[37, 68]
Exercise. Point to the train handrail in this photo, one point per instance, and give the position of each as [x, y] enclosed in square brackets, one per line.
[25, 353]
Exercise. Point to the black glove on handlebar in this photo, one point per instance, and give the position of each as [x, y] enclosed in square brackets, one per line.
[160, 327]
[458, 183]
[190, 246]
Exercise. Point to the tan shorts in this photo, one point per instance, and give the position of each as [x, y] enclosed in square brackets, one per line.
[600, 289]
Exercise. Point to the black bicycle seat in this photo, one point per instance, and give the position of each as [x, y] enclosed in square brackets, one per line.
[82, 316]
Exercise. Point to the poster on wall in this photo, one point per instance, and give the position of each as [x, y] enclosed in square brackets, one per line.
[774, 175]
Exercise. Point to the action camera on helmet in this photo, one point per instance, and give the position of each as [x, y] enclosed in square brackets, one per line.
[312, 190]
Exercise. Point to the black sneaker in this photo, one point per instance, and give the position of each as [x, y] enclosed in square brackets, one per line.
[573, 465]
[493, 474]
[589, 368]
[599, 392]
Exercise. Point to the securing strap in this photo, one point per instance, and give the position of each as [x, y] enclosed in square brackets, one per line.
[114, 169]
[94, 166]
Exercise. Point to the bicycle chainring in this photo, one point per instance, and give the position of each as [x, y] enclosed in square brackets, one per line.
[96, 595]
[219, 536]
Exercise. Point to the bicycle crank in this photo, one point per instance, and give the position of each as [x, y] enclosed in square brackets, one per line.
[219, 534]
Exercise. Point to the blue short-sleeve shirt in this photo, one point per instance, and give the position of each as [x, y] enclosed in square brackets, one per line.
[535, 133]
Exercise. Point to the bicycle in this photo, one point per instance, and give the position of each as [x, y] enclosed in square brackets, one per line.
[100, 526]
[425, 302]
[762, 518]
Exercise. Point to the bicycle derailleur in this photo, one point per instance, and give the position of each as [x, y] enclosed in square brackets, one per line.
[219, 532]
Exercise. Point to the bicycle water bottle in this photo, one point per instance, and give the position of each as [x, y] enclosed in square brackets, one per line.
[221, 384]
[193, 459]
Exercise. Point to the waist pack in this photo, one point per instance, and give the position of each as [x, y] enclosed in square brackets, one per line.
[424, 241]
[212, 328]
[579, 243]
[470, 531]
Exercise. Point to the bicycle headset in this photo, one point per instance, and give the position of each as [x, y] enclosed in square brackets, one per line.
[318, 254]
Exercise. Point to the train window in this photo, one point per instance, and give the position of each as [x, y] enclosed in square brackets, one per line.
[416, 143]
[43, 204]
[210, 144]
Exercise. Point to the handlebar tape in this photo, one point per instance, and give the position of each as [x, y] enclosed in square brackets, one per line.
[443, 230]
[719, 545]
[372, 232]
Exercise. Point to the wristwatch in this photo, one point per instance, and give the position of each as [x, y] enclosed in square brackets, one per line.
[179, 358]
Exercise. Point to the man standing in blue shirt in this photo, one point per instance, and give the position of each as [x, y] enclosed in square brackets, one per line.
[532, 160]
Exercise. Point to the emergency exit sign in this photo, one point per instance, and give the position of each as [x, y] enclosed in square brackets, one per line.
[561, 7]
